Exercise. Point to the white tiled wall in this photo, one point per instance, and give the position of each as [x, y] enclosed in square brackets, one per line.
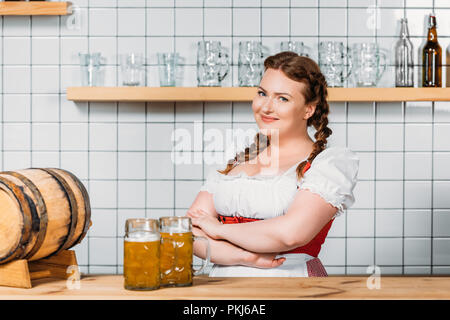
[122, 151]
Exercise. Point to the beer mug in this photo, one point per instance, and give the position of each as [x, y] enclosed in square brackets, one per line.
[369, 64]
[332, 61]
[296, 46]
[177, 243]
[212, 63]
[250, 64]
[141, 254]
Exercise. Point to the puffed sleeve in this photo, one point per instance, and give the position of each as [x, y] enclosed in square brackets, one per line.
[333, 175]
[210, 184]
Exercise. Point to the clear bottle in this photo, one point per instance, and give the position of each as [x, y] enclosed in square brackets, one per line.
[404, 65]
[432, 57]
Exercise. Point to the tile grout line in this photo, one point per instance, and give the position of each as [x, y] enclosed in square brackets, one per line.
[147, 213]
[117, 132]
[204, 105]
[3, 95]
[89, 142]
[346, 216]
[174, 126]
[346, 140]
[165, 151]
[432, 179]
[374, 106]
[290, 20]
[432, 189]
[59, 93]
[404, 105]
[31, 92]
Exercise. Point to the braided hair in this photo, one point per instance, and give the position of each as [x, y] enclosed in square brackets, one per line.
[305, 70]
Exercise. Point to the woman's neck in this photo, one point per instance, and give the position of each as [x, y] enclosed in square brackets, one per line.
[291, 146]
[284, 151]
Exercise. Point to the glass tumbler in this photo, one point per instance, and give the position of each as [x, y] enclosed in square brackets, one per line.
[132, 65]
[141, 261]
[90, 68]
[167, 68]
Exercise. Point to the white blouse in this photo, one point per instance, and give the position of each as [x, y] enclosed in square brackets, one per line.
[332, 175]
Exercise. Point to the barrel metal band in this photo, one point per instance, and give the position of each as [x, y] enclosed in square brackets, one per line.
[87, 205]
[72, 206]
[18, 194]
[42, 209]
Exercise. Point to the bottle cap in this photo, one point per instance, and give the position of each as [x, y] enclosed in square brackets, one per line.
[432, 21]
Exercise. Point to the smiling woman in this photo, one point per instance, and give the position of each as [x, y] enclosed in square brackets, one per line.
[269, 211]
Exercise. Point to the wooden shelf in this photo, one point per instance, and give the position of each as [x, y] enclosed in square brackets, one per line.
[34, 8]
[160, 94]
[246, 94]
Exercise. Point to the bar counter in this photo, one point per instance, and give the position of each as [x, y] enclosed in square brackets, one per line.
[110, 287]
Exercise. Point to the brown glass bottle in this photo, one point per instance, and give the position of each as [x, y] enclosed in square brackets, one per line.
[432, 58]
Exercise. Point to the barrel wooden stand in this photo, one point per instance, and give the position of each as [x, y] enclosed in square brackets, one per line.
[19, 273]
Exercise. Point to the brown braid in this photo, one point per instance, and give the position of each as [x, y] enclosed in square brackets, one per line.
[305, 70]
[260, 143]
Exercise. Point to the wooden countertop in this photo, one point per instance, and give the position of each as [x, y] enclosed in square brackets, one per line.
[110, 287]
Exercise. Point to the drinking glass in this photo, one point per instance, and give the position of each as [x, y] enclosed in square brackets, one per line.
[332, 61]
[177, 243]
[250, 65]
[132, 65]
[167, 68]
[212, 63]
[296, 46]
[141, 261]
[90, 68]
[369, 64]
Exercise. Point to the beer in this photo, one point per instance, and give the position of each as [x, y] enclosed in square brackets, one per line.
[141, 265]
[176, 258]
[432, 58]
[141, 255]
[177, 249]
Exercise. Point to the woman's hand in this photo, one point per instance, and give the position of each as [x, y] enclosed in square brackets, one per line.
[264, 260]
[203, 220]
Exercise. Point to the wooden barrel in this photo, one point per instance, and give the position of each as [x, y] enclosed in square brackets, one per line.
[42, 211]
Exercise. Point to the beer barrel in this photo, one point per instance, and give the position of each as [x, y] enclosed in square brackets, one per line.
[42, 211]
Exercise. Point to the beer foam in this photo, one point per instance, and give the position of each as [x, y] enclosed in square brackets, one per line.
[142, 237]
[174, 229]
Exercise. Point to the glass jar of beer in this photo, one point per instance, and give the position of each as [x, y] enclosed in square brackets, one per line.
[141, 254]
[177, 243]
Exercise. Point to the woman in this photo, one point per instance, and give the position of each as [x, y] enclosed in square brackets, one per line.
[274, 224]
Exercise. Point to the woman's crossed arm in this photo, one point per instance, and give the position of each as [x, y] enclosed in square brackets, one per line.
[222, 251]
[306, 216]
